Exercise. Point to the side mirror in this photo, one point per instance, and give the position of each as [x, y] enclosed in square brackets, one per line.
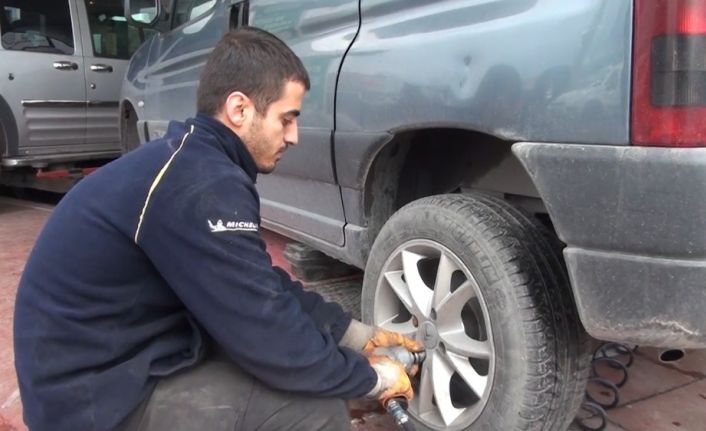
[142, 13]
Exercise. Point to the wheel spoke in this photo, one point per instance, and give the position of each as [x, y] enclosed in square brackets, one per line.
[441, 373]
[461, 344]
[442, 284]
[394, 279]
[405, 328]
[469, 375]
[449, 311]
[425, 394]
[419, 292]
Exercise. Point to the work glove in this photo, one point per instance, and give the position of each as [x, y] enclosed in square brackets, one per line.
[364, 338]
[385, 338]
[393, 381]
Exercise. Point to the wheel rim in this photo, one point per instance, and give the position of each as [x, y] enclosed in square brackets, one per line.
[425, 291]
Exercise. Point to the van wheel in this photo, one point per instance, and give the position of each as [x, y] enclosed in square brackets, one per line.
[484, 288]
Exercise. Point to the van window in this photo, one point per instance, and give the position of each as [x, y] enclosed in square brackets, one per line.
[111, 35]
[186, 10]
[38, 26]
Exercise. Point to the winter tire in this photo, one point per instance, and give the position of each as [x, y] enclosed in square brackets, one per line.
[484, 287]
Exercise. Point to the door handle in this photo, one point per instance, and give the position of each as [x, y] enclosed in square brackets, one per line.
[65, 65]
[101, 68]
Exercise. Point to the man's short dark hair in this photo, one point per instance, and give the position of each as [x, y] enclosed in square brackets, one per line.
[252, 61]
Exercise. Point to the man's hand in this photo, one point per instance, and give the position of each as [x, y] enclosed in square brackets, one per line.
[384, 338]
[392, 382]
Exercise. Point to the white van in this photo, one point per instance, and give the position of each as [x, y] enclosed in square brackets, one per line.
[61, 68]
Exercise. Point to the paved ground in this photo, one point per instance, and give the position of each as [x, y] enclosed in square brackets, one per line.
[657, 397]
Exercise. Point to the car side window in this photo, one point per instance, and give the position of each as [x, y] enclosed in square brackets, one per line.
[186, 10]
[38, 26]
[111, 35]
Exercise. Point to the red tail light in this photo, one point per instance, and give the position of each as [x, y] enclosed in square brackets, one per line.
[669, 73]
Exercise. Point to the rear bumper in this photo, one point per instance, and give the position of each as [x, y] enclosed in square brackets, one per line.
[634, 221]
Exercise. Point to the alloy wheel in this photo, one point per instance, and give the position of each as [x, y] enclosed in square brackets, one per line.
[427, 292]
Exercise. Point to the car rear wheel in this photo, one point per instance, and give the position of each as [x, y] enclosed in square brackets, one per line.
[484, 288]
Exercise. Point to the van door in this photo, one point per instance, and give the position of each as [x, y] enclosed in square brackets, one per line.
[301, 196]
[42, 77]
[108, 43]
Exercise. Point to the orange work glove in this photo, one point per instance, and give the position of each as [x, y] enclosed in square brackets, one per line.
[384, 338]
[392, 381]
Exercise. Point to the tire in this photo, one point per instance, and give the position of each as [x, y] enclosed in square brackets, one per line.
[505, 348]
[129, 138]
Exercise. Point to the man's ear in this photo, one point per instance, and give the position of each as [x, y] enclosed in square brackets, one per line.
[238, 109]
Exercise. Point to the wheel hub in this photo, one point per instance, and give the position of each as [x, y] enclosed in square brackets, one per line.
[429, 335]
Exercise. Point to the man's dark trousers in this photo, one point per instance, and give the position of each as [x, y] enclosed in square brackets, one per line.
[216, 395]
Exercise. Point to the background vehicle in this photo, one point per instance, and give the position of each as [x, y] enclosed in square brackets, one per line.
[62, 64]
[447, 146]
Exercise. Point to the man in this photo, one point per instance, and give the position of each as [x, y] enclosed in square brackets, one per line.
[157, 255]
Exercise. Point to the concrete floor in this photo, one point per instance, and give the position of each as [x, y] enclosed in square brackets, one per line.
[658, 396]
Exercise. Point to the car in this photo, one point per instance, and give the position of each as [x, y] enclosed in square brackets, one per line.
[517, 177]
[62, 65]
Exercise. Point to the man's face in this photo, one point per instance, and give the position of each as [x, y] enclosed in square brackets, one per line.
[269, 135]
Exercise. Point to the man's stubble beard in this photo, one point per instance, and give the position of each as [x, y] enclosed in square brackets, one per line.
[256, 144]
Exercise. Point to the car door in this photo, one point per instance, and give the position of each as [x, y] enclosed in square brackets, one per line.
[177, 57]
[108, 43]
[42, 77]
[301, 197]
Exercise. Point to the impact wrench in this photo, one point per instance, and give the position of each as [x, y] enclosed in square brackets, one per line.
[396, 406]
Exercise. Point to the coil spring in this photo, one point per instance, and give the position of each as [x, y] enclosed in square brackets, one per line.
[617, 358]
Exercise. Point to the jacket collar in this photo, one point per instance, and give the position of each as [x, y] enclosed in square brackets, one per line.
[231, 142]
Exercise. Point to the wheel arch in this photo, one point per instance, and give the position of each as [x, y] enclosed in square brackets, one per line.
[9, 134]
[417, 163]
[129, 134]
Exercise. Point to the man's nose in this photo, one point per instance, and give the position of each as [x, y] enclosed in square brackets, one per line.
[291, 135]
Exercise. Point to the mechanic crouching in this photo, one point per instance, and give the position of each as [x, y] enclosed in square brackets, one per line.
[150, 303]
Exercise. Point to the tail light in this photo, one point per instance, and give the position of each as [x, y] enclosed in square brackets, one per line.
[669, 73]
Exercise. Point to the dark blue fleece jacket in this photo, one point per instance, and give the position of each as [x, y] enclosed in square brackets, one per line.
[145, 257]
